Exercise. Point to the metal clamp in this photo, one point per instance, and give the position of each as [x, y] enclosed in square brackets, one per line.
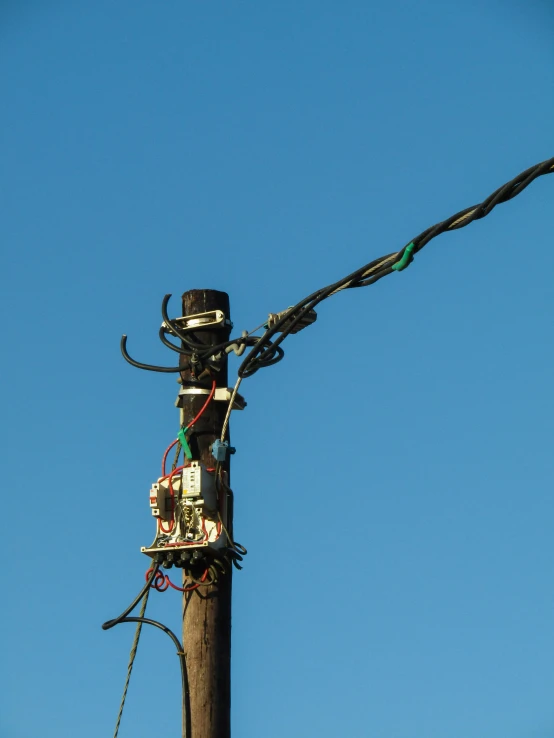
[199, 320]
[306, 320]
[221, 394]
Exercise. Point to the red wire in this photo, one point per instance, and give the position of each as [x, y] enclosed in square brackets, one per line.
[164, 530]
[172, 493]
[204, 406]
[159, 580]
[181, 589]
[162, 579]
[169, 477]
[174, 471]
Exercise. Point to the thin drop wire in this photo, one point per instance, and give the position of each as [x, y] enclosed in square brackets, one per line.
[229, 409]
[132, 655]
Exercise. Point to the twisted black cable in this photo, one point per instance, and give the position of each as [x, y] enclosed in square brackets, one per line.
[255, 358]
[379, 268]
[267, 349]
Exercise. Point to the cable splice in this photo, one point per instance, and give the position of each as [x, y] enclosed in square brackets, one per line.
[406, 260]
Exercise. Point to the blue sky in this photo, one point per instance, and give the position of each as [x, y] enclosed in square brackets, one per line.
[393, 475]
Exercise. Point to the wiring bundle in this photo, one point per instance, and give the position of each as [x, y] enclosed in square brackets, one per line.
[193, 503]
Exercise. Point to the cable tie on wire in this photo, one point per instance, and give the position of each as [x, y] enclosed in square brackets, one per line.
[184, 443]
[407, 258]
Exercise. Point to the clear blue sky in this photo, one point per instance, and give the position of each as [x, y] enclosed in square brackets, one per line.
[394, 474]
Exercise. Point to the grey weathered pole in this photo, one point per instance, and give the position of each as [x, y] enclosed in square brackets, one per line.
[207, 610]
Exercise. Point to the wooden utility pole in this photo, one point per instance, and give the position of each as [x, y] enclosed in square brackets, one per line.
[207, 610]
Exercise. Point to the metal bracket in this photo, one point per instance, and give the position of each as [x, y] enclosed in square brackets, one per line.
[309, 318]
[221, 394]
[199, 320]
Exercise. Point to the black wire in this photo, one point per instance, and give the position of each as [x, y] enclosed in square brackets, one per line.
[110, 623]
[172, 346]
[180, 332]
[182, 663]
[148, 367]
[204, 351]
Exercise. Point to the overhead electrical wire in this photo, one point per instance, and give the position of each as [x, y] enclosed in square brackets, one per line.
[379, 268]
[266, 350]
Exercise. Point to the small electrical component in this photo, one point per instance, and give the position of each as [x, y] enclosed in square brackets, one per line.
[190, 514]
[220, 449]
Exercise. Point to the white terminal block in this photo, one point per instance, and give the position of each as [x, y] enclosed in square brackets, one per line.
[198, 482]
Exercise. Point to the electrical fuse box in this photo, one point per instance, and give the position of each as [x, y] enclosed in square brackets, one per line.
[190, 512]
